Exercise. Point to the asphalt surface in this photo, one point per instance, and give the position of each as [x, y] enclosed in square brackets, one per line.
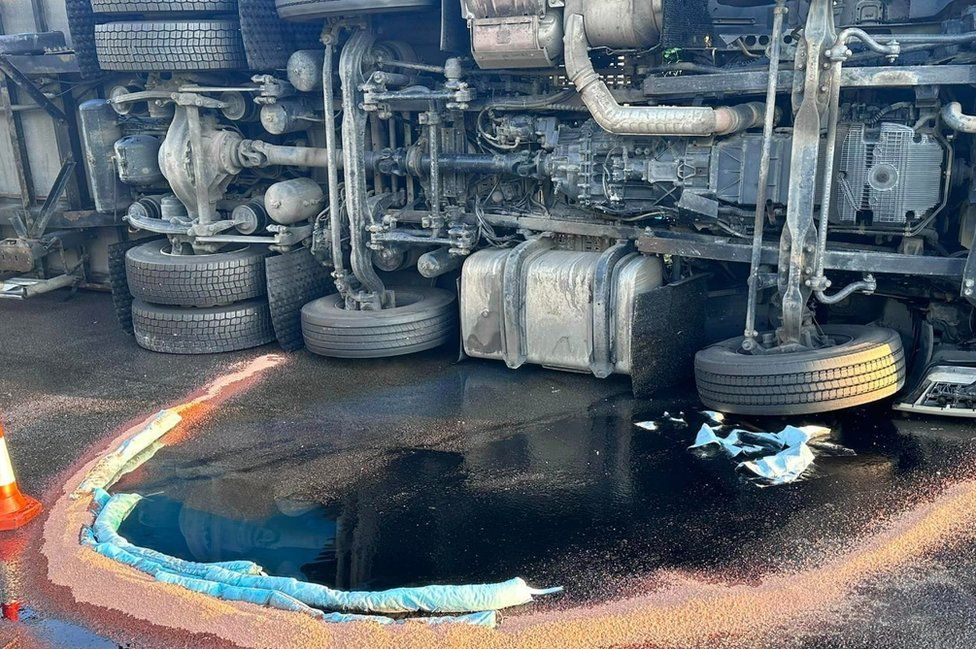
[373, 474]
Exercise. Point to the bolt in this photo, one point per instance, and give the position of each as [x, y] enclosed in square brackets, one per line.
[970, 283]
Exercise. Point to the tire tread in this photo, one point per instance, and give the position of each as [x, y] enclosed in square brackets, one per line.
[176, 330]
[203, 281]
[412, 331]
[170, 45]
[872, 367]
[166, 6]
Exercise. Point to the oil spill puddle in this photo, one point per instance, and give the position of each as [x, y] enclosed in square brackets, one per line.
[299, 543]
[586, 500]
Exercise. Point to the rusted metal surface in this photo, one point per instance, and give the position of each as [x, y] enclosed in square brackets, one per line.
[852, 77]
[45, 64]
[868, 261]
[31, 42]
[19, 255]
[39, 224]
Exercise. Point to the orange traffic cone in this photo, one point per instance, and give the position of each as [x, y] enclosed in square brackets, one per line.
[11, 611]
[16, 509]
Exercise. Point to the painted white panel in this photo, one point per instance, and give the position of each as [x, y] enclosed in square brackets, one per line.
[8, 174]
[18, 16]
[42, 150]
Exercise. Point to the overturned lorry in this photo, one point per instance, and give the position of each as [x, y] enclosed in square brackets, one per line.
[777, 194]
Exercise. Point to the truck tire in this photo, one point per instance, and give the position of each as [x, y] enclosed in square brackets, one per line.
[425, 318]
[867, 364]
[157, 277]
[176, 330]
[81, 25]
[166, 6]
[295, 278]
[121, 296]
[170, 45]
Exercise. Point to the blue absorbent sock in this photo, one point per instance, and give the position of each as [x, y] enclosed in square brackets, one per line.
[246, 581]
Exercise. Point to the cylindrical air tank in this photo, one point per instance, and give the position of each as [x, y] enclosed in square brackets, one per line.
[291, 201]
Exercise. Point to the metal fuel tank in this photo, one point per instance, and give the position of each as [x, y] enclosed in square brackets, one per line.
[562, 309]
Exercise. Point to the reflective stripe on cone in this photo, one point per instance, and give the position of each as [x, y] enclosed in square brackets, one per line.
[6, 469]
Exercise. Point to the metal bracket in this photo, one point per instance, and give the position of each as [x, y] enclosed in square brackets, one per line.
[968, 288]
[20, 228]
[603, 284]
[31, 89]
[31, 42]
[57, 190]
[513, 338]
[21, 288]
[798, 241]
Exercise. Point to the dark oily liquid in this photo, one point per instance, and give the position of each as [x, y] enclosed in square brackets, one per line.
[575, 496]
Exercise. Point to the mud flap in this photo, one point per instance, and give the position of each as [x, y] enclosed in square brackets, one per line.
[668, 329]
[294, 279]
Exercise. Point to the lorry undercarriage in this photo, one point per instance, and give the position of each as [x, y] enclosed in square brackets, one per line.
[578, 184]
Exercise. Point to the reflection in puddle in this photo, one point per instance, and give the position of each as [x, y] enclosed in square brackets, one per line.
[573, 500]
[429, 473]
[295, 544]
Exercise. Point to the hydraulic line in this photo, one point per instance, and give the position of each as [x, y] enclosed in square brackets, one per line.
[838, 53]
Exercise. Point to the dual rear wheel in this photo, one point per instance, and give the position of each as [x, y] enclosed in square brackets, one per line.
[198, 304]
[203, 304]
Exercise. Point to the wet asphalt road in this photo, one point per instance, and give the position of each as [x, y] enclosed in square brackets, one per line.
[373, 474]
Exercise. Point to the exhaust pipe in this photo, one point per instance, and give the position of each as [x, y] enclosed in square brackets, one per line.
[955, 119]
[646, 120]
